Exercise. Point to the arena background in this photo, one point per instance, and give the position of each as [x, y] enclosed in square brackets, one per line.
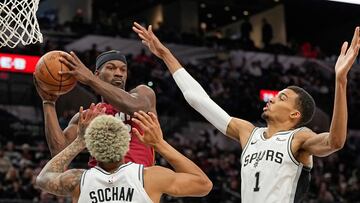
[240, 61]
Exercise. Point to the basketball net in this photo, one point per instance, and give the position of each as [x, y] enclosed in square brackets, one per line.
[18, 23]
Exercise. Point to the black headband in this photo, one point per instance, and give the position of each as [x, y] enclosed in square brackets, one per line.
[108, 56]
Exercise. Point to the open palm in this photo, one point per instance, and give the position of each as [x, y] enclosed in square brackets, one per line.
[150, 40]
[347, 56]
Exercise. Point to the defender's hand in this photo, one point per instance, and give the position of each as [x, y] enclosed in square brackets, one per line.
[150, 40]
[85, 117]
[150, 125]
[347, 56]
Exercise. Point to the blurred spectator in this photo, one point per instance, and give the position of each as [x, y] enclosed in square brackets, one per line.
[267, 33]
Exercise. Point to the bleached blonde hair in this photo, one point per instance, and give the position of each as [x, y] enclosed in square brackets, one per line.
[107, 139]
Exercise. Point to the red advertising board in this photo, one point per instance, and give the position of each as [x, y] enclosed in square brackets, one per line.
[18, 63]
[265, 95]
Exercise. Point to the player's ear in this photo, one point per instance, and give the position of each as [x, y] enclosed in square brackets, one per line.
[96, 73]
[295, 114]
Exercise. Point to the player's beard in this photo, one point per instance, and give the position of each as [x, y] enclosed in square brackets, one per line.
[264, 116]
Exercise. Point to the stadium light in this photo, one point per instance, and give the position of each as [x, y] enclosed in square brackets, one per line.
[348, 1]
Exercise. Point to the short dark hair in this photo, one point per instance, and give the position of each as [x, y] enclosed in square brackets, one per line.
[305, 103]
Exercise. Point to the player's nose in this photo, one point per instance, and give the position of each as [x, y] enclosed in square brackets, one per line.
[118, 73]
[271, 100]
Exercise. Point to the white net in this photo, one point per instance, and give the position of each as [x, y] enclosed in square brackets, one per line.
[18, 23]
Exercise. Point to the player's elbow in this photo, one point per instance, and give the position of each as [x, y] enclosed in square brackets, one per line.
[206, 186]
[39, 181]
[337, 145]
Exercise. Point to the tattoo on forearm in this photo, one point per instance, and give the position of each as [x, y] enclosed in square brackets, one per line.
[63, 184]
[63, 159]
[53, 179]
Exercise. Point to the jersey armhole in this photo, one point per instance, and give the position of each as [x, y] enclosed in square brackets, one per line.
[247, 143]
[82, 179]
[289, 147]
[141, 174]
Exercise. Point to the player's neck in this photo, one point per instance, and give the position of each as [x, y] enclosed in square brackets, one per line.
[273, 128]
[110, 167]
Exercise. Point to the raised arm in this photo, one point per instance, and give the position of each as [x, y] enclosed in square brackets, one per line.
[194, 94]
[140, 98]
[187, 179]
[56, 138]
[327, 143]
[53, 178]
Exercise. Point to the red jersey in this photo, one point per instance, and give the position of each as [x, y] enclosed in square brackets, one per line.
[138, 152]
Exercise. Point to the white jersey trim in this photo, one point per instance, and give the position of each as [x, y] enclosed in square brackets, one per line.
[289, 147]
[248, 142]
[82, 179]
[296, 181]
[107, 173]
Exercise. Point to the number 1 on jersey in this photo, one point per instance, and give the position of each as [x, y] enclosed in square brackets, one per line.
[257, 176]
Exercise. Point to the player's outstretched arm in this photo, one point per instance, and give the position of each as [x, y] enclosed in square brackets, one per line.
[139, 98]
[327, 143]
[194, 94]
[53, 178]
[187, 180]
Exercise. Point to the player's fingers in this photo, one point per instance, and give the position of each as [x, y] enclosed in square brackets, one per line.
[141, 118]
[150, 30]
[103, 110]
[91, 112]
[137, 133]
[344, 48]
[140, 27]
[67, 57]
[355, 38]
[143, 37]
[75, 56]
[151, 33]
[81, 113]
[92, 106]
[137, 30]
[140, 124]
[66, 72]
[70, 64]
[154, 117]
[147, 117]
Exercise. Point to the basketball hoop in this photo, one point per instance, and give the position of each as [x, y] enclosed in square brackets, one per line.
[18, 23]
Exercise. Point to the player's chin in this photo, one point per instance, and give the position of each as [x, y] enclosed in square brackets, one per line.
[118, 85]
[264, 115]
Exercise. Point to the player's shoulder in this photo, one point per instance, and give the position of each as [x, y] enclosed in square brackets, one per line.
[303, 133]
[143, 90]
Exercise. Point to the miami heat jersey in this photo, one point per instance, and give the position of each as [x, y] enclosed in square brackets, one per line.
[138, 152]
[269, 171]
[126, 184]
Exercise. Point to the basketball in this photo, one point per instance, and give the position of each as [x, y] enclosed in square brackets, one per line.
[48, 77]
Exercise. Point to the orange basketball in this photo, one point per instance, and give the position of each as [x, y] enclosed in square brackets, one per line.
[48, 77]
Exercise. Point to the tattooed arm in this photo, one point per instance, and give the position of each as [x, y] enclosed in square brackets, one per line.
[52, 177]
